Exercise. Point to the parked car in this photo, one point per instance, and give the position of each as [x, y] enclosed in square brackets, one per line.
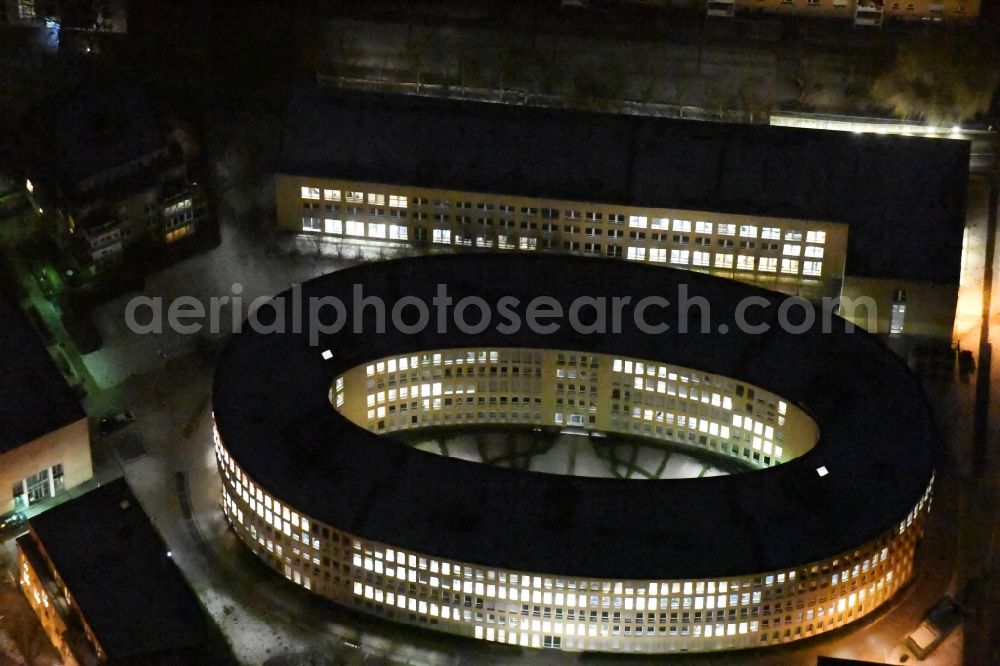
[113, 422]
[939, 622]
[13, 522]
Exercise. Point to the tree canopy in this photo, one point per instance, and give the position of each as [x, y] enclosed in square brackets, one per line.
[945, 78]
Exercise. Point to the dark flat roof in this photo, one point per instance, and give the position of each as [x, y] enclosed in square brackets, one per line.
[273, 413]
[116, 567]
[92, 129]
[904, 197]
[34, 397]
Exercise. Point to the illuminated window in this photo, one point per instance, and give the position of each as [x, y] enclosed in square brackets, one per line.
[815, 236]
[355, 197]
[442, 236]
[637, 221]
[662, 223]
[898, 313]
[814, 251]
[38, 487]
[334, 226]
[679, 256]
[767, 264]
[748, 231]
[682, 225]
[727, 229]
[723, 261]
[331, 195]
[812, 268]
[376, 230]
[175, 208]
[397, 201]
[790, 266]
[397, 232]
[310, 193]
[773, 233]
[312, 224]
[701, 258]
[744, 262]
[355, 228]
[636, 253]
[702, 227]
[792, 250]
[179, 233]
[527, 243]
[658, 255]
[376, 199]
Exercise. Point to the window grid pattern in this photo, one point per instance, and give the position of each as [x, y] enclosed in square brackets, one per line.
[644, 237]
[564, 388]
[547, 610]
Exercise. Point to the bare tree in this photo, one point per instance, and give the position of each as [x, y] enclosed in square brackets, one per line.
[344, 53]
[755, 96]
[416, 54]
[471, 71]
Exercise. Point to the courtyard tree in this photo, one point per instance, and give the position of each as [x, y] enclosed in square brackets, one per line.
[947, 78]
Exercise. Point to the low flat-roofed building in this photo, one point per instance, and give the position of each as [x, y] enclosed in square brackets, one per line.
[103, 584]
[44, 439]
[799, 211]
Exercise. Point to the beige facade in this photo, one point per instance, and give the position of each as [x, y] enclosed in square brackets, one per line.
[787, 255]
[862, 12]
[798, 257]
[45, 467]
[592, 392]
[901, 307]
[932, 10]
[551, 609]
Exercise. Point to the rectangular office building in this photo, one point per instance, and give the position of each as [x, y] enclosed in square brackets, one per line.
[44, 439]
[874, 219]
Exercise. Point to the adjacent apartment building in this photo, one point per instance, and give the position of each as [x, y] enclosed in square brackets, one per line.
[44, 439]
[861, 12]
[104, 586]
[107, 167]
[812, 213]
[85, 16]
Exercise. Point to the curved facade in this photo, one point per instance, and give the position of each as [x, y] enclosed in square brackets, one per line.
[588, 392]
[823, 533]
